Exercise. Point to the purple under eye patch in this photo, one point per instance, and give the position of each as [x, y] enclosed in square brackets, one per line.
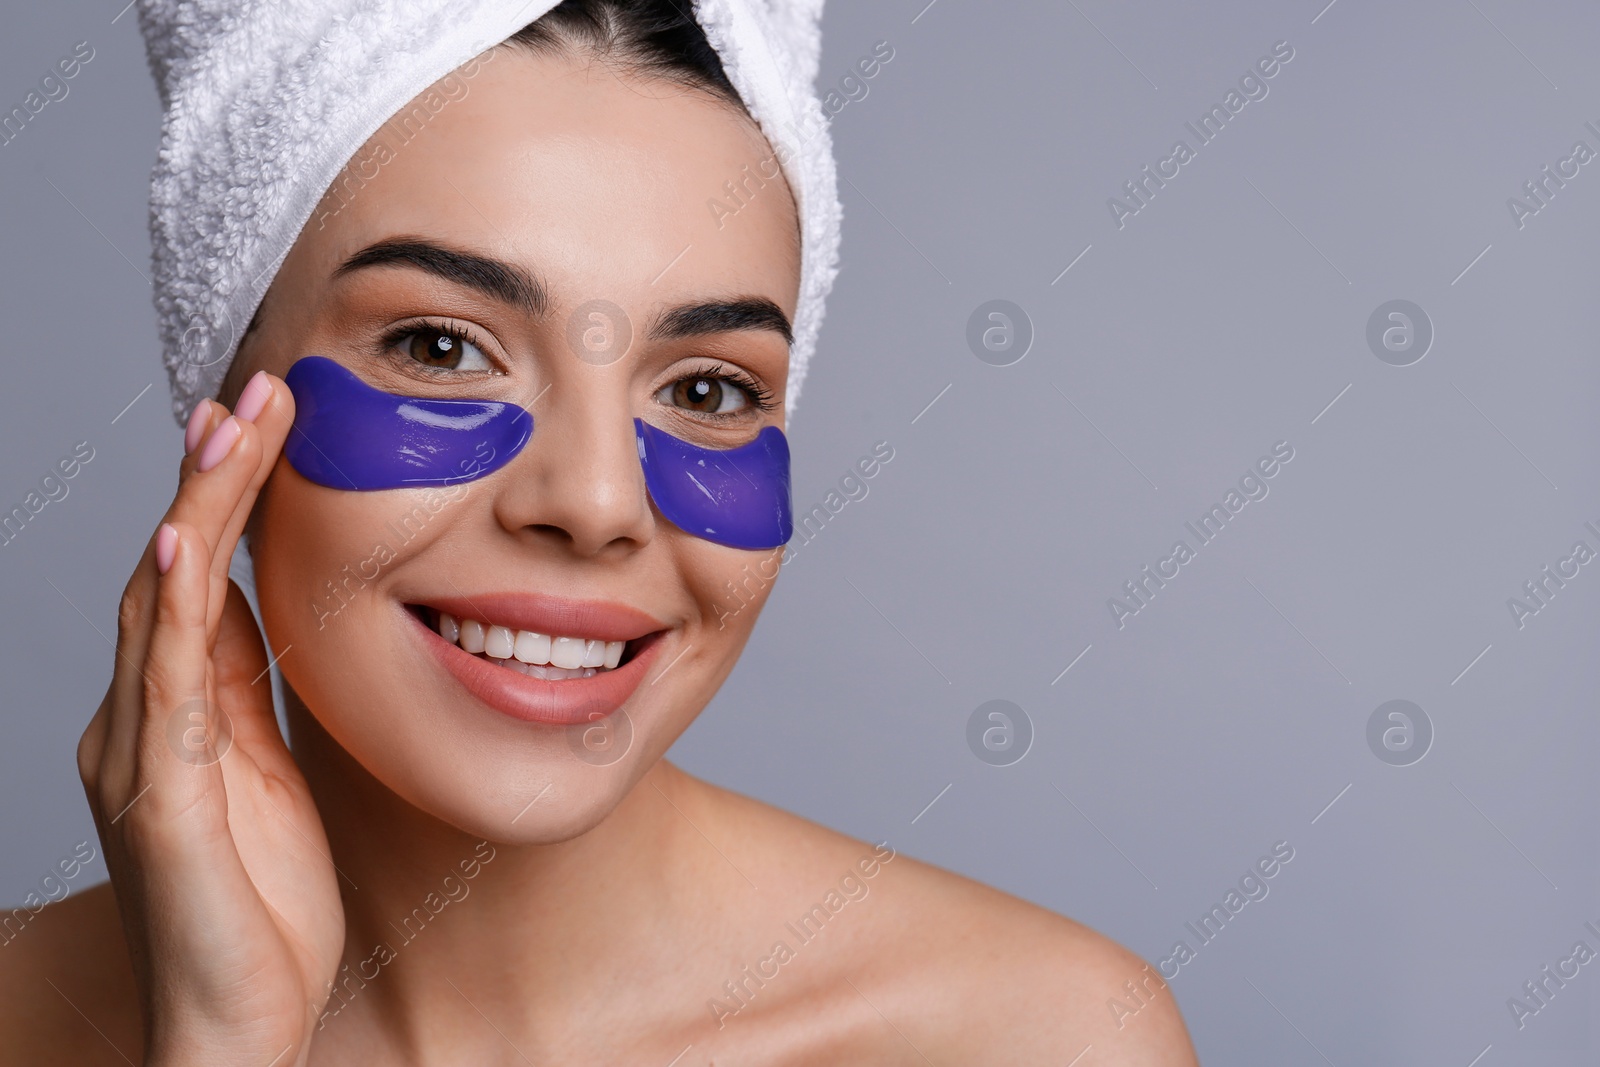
[349, 435]
[737, 496]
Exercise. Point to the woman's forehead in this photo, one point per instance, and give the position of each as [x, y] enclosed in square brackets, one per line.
[603, 185]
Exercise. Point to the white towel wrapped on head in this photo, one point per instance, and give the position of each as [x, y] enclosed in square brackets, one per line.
[267, 100]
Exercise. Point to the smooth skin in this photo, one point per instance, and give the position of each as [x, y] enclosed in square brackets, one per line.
[568, 912]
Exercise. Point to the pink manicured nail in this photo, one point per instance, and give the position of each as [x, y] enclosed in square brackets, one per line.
[197, 426]
[166, 547]
[254, 397]
[220, 444]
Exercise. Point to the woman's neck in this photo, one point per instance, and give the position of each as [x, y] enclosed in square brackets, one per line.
[524, 934]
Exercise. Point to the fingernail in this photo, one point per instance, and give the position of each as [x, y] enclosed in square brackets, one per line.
[197, 426]
[221, 442]
[166, 547]
[254, 397]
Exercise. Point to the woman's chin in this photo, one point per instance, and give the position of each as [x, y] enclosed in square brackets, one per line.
[504, 781]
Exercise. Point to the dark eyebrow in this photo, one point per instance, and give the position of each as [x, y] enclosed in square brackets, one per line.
[752, 313]
[494, 278]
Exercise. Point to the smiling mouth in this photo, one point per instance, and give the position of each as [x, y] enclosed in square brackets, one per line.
[551, 657]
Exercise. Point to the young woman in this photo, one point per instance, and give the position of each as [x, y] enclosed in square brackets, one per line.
[470, 850]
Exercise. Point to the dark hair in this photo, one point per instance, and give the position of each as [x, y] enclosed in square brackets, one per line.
[653, 37]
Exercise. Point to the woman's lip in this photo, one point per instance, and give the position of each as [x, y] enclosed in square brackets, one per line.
[562, 702]
[541, 613]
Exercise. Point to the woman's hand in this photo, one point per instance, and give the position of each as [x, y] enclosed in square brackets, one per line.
[228, 896]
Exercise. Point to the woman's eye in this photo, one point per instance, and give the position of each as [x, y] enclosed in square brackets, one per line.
[433, 347]
[704, 393]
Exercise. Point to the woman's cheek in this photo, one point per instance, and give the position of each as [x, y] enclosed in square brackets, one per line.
[321, 557]
[731, 587]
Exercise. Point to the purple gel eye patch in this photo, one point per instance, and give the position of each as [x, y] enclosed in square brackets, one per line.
[737, 497]
[350, 435]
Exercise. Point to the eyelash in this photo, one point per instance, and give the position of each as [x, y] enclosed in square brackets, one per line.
[448, 327]
[760, 396]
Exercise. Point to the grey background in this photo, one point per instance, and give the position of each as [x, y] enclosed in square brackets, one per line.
[1224, 317]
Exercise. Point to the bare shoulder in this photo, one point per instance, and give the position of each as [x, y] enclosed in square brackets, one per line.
[990, 978]
[1018, 983]
[66, 986]
[920, 964]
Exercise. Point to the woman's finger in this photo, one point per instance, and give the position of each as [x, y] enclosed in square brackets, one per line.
[167, 766]
[238, 451]
[202, 421]
[243, 687]
[219, 479]
[268, 406]
[204, 503]
[92, 745]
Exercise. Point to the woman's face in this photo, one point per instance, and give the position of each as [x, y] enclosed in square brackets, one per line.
[532, 233]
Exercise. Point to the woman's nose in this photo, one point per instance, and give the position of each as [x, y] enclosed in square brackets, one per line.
[578, 482]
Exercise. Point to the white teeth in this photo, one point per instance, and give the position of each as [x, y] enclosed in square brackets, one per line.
[472, 635]
[566, 652]
[499, 642]
[532, 647]
[534, 654]
[540, 670]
